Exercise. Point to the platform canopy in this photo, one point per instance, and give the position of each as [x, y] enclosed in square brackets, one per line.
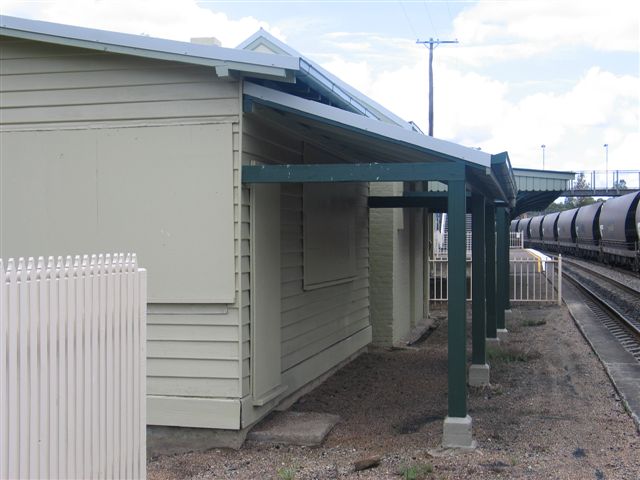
[537, 189]
[393, 153]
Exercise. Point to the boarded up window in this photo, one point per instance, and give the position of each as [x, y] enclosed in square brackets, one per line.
[329, 212]
[163, 192]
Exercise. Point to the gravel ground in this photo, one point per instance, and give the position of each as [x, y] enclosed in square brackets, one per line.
[550, 412]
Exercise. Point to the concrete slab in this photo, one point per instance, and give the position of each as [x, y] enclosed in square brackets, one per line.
[620, 365]
[457, 433]
[162, 440]
[294, 428]
[479, 375]
[503, 334]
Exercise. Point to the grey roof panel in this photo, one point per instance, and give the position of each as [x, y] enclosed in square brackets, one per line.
[149, 47]
[322, 78]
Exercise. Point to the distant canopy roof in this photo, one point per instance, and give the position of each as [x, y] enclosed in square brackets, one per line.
[537, 189]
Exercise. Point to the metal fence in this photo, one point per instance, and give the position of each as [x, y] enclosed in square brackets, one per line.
[615, 180]
[531, 279]
[441, 244]
[537, 279]
[516, 240]
[72, 367]
[438, 279]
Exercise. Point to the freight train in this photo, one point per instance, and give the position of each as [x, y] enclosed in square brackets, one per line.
[605, 231]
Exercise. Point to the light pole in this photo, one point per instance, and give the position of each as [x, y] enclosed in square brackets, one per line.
[606, 166]
[543, 146]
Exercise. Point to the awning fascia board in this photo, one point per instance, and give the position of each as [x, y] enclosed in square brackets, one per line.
[361, 124]
[353, 172]
[503, 176]
[437, 204]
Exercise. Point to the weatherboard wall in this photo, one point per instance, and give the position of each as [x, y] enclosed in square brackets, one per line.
[83, 102]
[320, 325]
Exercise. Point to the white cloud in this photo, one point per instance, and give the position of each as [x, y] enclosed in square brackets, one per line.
[172, 19]
[493, 31]
[478, 111]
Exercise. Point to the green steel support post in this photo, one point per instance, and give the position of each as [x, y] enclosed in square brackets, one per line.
[502, 266]
[490, 233]
[505, 233]
[478, 295]
[457, 286]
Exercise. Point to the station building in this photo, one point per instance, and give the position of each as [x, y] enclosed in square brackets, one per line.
[281, 214]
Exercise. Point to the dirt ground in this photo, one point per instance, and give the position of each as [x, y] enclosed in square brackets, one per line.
[550, 413]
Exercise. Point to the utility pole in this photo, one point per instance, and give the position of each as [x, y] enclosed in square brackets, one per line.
[543, 147]
[606, 166]
[432, 44]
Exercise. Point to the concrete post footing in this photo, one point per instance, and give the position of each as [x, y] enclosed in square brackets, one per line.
[479, 375]
[502, 334]
[493, 342]
[457, 433]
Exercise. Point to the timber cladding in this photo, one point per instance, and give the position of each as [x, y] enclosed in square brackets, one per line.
[111, 152]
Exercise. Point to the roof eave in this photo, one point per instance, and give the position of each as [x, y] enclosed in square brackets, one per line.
[441, 148]
[503, 172]
[331, 85]
[223, 59]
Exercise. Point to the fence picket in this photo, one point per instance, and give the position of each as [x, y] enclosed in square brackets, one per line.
[71, 364]
[72, 393]
[23, 329]
[4, 370]
[109, 365]
[34, 384]
[13, 387]
[43, 354]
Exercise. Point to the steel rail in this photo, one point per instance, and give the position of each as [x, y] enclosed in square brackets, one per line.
[630, 324]
[613, 281]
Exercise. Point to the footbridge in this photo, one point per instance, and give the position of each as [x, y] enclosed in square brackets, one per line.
[603, 183]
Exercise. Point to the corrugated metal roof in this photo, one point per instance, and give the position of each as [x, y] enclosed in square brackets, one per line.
[351, 122]
[531, 180]
[328, 83]
[537, 189]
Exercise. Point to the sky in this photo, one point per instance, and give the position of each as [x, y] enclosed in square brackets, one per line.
[525, 73]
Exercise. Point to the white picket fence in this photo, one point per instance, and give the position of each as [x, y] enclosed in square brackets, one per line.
[531, 279]
[72, 367]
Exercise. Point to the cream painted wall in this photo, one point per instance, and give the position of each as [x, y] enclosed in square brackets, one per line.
[320, 327]
[397, 268]
[103, 149]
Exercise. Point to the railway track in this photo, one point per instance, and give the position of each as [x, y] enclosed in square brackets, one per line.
[625, 280]
[615, 303]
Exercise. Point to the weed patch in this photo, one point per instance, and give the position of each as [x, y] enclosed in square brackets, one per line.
[287, 473]
[509, 355]
[534, 323]
[416, 472]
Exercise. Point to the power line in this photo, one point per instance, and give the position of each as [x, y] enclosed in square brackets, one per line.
[449, 10]
[433, 27]
[408, 19]
[432, 44]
